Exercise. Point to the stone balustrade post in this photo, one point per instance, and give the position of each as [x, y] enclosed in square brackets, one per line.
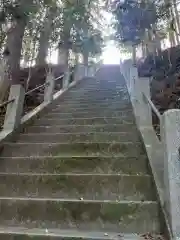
[91, 71]
[49, 88]
[145, 111]
[78, 72]
[133, 83]
[66, 79]
[170, 137]
[86, 70]
[15, 108]
[138, 88]
[126, 70]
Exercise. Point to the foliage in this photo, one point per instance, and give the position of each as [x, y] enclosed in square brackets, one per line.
[135, 18]
[74, 24]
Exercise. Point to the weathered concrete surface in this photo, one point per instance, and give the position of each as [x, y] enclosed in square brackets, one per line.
[79, 164]
[154, 147]
[96, 181]
[15, 108]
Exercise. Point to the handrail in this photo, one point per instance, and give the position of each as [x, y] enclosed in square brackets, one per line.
[7, 102]
[34, 89]
[155, 110]
[59, 77]
[43, 85]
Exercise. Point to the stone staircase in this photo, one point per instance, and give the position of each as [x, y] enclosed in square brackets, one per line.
[81, 171]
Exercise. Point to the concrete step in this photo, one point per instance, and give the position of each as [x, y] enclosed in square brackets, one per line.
[84, 121]
[78, 186]
[100, 97]
[91, 109]
[88, 92]
[95, 101]
[78, 137]
[20, 233]
[100, 88]
[112, 128]
[126, 149]
[97, 94]
[85, 114]
[57, 164]
[101, 105]
[134, 216]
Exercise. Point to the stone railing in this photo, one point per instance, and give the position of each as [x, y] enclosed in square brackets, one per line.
[14, 115]
[163, 153]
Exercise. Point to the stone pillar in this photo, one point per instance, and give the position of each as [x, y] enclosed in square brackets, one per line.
[14, 109]
[86, 70]
[66, 79]
[170, 132]
[134, 55]
[81, 71]
[91, 71]
[77, 73]
[138, 87]
[145, 111]
[133, 82]
[49, 88]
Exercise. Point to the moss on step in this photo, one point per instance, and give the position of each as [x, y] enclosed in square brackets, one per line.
[127, 149]
[134, 217]
[79, 137]
[95, 187]
[75, 165]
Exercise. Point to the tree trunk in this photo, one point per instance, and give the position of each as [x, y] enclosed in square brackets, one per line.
[77, 57]
[63, 56]
[4, 79]
[44, 38]
[170, 33]
[157, 41]
[14, 46]
[134, 55]
[9, 73]
[177, 19]
[143, 47]
[85, 58]
[172, 39]
[64, 47]
[175, 31]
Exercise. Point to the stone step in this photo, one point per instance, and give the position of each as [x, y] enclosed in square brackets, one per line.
[56, 165]
[126, 149]
[98, 92]
[95, 99]
[78, 186]
[100, 88]
[88, 105]
[78, 137]
[20, 233]
[92, 110]
[92, 97]
[96, 102]
[85, 114]
[127, 216]
[97, 95]
[118, 128]
[84, 121]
